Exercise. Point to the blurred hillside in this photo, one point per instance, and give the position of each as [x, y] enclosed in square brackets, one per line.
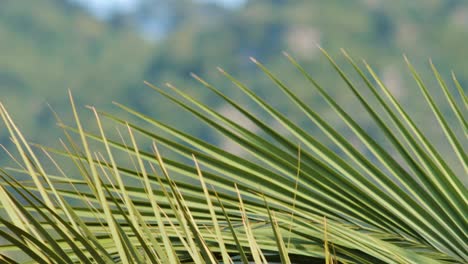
[48, 46]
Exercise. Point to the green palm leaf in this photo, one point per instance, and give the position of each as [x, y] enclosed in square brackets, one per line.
[402, 203]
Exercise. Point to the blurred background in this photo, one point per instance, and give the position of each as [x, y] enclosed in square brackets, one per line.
[103, 50]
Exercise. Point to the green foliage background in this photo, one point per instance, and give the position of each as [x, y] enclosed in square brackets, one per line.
[49, 46]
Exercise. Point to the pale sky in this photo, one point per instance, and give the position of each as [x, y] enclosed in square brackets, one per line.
[104, 7]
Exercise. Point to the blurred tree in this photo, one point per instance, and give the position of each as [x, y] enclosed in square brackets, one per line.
[50, 45]
[383, 27]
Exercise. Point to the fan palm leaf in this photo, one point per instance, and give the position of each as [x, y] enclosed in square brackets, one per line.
[290, 196]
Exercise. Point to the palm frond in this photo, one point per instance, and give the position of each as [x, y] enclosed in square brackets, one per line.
[293, 196]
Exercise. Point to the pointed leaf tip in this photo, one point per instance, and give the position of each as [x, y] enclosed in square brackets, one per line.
[345, 53]
[199, 79]
[253, 60]
[453, 74]
[406, 59]
[196, 77]
[170, 85]
[70, 94]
